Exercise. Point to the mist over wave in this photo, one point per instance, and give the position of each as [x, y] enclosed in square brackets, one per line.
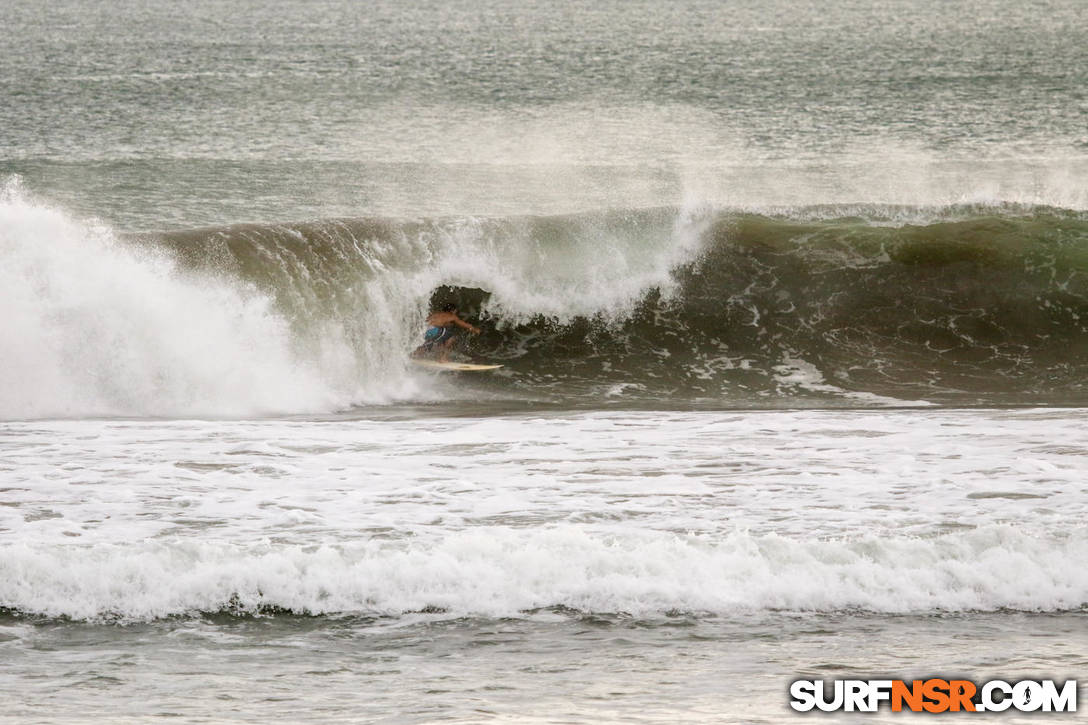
[94, 326]
[849, 303]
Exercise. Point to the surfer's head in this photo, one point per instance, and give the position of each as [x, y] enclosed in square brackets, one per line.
[449, 307]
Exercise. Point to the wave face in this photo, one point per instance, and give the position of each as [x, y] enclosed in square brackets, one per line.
[716, 307]
[978, 303]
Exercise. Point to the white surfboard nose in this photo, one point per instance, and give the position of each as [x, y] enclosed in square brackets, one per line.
[454, 366]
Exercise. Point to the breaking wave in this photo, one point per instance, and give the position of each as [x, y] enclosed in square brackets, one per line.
[712, 306]
[505, 572]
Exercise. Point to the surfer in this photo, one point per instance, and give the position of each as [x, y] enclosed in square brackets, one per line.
[441, 332]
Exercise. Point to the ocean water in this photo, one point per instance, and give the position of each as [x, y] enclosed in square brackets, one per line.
[792, 303]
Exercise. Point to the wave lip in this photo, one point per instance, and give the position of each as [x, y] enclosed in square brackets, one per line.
[498, 572]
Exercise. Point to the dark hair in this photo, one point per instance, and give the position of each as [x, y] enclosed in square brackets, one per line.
[449, 307]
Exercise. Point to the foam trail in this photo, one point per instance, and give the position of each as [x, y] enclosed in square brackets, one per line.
[496, 571]
[90, 326]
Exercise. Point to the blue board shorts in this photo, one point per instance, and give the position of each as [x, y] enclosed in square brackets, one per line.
[435, 336]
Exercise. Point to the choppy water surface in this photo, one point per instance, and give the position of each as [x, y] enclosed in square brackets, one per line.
[790, 300]
[546, 667]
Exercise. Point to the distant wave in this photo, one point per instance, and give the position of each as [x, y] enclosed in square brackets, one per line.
[503, 572]
[970, 303]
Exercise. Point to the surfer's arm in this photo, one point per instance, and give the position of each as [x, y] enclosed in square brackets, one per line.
[461, 323]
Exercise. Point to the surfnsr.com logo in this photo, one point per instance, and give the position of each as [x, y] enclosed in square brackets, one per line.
[933, 695]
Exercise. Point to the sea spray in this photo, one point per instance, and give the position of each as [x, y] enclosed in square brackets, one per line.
[93, 326]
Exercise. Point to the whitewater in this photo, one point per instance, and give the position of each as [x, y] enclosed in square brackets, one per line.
[792, 308]
[425, 557]
[527, 527]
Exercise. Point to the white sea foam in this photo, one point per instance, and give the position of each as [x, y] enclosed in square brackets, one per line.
[891, 511]
[90, 326]
[594, 270]
[797, 373]
[496, 571]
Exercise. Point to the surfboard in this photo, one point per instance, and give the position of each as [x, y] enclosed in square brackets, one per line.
[454, 366]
